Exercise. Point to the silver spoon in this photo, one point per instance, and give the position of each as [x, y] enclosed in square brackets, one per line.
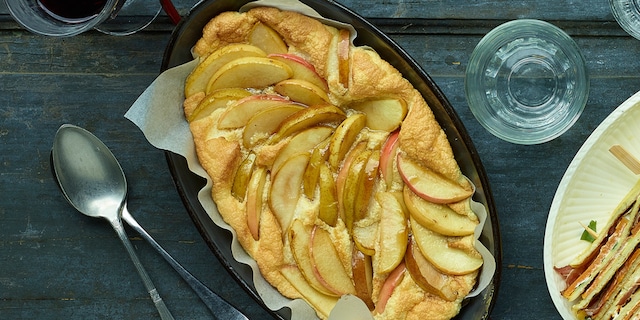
[87, 172]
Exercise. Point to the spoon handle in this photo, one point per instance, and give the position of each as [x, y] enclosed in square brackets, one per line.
[218, 306]
[157, 300]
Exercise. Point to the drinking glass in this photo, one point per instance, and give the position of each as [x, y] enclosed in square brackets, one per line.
[116, 17]
[526, 82]
[627, 14]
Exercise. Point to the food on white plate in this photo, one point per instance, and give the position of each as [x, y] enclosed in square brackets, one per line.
[314, 147]
[602, 281]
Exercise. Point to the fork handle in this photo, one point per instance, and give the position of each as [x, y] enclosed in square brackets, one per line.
[155, 297]
[218, 306]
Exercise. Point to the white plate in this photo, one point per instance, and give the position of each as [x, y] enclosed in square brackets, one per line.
[593, 185]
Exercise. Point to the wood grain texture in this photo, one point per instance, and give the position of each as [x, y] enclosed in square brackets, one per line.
[58, 264]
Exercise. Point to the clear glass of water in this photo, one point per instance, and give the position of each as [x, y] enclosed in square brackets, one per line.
[526, 82]
[60, 18]
[627, 14]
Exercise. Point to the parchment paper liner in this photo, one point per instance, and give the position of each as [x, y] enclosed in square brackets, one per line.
[159, 115]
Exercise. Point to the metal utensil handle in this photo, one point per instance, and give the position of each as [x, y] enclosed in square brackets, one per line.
[155, 297]
[218, 306]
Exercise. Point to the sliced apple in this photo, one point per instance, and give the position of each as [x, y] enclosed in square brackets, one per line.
[285, 189]
[328, 266]
[344, 52]
[392, 234]
[307, 118]
[217, 100]
[442, 252]
[302, 142]
[302, 69]
[249, 72]
[430, 185]
[267, 39]
[265, 123]
[323, 304]
[388, 158]
[438, 217]
[300, 242]
[242, 176]
[344, 137]
[362, 277]
[382, 114]
[426, 276]
[328, 196]
[199, 78]
[239, 113]
[255, 192]
[392, 281]
[302, 91]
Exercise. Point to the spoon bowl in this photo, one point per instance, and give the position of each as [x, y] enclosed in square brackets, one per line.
[93, 182]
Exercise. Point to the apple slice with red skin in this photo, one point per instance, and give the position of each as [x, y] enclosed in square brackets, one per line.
[388, 158]
[426, 275]
[438, 217]
[255, 192]
[300, 242]
[392, 281]
[327, 264]
[430, 185]
[301, 68]
[285, 189]
[444, 253]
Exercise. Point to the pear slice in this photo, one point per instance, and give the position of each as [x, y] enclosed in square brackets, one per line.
[344, 137]
[238, 114]
[307, 118]
[255, 193]
[382, 114]
[302, 91]
[242, 176]
[267, 39]
[392, 234]
[198, 79]
[249, 72]
[302, 142]
[265, 123]
[216, 100]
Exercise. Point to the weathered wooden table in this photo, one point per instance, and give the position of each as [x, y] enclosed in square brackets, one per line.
[57, 264]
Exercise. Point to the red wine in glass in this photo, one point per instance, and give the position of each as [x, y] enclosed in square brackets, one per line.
[72, 11]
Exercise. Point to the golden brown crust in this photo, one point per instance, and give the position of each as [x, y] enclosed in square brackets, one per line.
[421, 138]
